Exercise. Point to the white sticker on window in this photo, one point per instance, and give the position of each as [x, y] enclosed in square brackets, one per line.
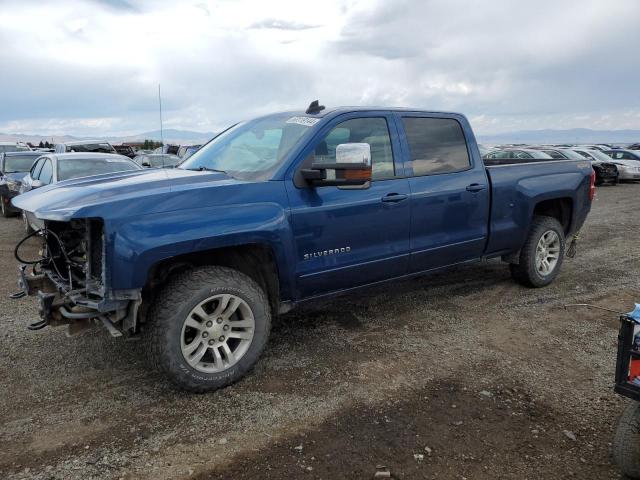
[306, 121]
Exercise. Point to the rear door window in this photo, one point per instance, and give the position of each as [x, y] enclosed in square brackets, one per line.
[436, 145]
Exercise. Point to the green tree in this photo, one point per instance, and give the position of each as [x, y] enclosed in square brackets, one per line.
[41, 145]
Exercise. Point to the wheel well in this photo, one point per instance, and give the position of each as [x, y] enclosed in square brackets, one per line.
[559, 208]
[254, 260]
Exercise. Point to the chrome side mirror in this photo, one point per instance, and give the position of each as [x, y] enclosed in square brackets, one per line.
[352, 167]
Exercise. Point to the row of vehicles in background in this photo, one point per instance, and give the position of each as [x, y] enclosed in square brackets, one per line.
[611, 164]
[23, 168]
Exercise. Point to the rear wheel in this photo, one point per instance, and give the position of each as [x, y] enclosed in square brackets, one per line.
[208, 328]
[542, 253]
[626, 443]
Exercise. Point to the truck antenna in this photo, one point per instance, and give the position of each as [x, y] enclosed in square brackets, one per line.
[160, 104]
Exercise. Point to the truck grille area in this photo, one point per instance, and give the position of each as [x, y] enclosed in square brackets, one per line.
[75, 252]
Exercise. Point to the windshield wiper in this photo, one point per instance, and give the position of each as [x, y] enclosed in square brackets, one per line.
[207, 169]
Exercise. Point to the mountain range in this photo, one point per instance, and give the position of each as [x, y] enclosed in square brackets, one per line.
[187, 137]
[173, 136]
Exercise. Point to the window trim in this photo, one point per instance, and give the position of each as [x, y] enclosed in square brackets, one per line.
[47, 159]
[34, 168]
[404, 140]
[392, 129]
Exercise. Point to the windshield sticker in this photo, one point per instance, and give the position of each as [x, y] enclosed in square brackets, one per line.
[306, 121]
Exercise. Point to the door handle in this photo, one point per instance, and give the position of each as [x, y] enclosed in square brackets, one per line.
[394, 197]
[475, 187]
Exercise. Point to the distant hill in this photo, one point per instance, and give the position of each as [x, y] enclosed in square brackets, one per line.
[574, 135]
[180, 137]
[172, 135]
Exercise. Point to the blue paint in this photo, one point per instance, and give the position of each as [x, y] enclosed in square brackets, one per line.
[152, 215]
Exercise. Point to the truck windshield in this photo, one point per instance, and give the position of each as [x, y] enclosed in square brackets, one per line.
[251, 150]
[21, 164]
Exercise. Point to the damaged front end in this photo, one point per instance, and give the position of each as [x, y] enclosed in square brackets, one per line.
[69, 279]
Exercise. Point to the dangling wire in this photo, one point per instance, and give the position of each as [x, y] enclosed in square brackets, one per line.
[29, 262]
[43, 232]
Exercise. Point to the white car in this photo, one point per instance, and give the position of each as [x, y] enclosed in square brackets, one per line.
[628, 163]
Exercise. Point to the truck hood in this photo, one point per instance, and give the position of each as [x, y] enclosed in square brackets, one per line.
[121, 194]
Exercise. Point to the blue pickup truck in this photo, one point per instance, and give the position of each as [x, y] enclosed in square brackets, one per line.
[280, 210]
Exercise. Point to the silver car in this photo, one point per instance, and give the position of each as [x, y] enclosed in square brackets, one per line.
[55, 167]
[628, 163]
[519, 153]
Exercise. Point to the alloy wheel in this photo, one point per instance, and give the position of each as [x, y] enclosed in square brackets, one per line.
[217, 333]
[547, 253]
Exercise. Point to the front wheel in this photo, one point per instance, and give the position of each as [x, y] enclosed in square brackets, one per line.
[626, 443]
[208, 327]
[542, 253]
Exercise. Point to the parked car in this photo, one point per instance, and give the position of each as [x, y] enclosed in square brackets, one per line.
[185, 151]
[484, 150]
[560, 153]
[13, 167]
[13, 147]
[170, 149]
[517, 153]
[627, 162]
[283, 209]
[634, 146]
[126, 150]
[84, 146]
[157, 160]
[606, 170]
[52, 168]
[600, 147]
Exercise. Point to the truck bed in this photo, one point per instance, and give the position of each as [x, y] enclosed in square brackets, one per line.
[519, 184]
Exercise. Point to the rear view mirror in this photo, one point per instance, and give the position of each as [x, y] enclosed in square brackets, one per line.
[36, 184]
[352, 167]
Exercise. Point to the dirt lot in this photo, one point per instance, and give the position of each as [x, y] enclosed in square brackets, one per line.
[462, 374]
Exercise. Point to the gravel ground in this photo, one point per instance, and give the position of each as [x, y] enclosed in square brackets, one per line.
[462, 374]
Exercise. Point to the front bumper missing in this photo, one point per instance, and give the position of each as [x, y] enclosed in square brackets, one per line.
[57, 306]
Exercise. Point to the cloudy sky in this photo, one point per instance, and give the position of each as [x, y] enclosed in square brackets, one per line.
[91, 68]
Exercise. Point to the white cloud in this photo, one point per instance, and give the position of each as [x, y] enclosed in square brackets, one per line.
[92, 67]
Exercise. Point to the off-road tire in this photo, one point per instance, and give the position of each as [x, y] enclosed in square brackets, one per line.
[172, 305]
[626, 443]
[525, 271]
